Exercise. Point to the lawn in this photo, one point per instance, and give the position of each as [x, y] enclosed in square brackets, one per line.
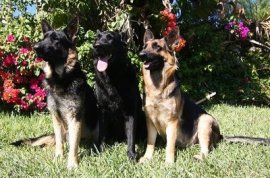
[227, 160]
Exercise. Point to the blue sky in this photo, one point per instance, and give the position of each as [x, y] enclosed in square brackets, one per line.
[31, 9]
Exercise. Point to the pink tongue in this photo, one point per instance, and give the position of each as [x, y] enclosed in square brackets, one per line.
[102, 65]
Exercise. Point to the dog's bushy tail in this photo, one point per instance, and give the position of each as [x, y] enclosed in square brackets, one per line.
[41, 141]
[247, 140]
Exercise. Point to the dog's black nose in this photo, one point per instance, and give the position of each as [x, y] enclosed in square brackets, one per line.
[142, 55]
[96, 45]
[36, 47]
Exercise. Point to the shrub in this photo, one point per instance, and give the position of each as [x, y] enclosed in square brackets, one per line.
[20, 71]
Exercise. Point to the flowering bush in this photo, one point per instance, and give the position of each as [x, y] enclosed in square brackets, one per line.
[170, 20]
[20, 75]
[238, 29]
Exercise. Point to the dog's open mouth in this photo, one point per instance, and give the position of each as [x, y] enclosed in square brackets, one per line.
[147, 64]
[153, 63]
[102, 63]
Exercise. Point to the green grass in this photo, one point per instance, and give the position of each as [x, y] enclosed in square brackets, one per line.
[227, 160]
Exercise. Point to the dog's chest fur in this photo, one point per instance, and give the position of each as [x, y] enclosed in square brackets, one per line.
[162, 104]
[64, 93]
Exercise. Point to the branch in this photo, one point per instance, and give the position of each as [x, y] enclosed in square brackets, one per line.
[207, 97]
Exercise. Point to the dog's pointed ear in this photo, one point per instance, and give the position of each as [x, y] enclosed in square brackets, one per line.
[172, 37]
[124, 36]
[148, 35]
[72, 28]
[45, 26]
[98, 32]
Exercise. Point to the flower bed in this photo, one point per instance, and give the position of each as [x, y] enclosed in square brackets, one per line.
[20, 75]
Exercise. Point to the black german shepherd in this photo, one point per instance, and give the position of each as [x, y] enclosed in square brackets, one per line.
[117, 91]
[70, 99]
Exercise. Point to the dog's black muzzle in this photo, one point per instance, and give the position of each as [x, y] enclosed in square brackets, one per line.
[39, 50]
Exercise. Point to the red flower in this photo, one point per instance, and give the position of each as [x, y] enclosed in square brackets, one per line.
[180, 45]
[4, 75]
[8, 84]
[9, 60]
[11, 95]
[38, 60]
[10, 38]
[172, 24]
[2, 52]
[24, 63]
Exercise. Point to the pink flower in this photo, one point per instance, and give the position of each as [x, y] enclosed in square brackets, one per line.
[24, 105]
[41, 105]
[10, 38]
[29, 97]
[9, 60]
[24, 50]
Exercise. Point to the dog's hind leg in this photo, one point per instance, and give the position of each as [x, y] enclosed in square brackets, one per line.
[74, 137]
[206, 134]
[59, 135]
[130, 133]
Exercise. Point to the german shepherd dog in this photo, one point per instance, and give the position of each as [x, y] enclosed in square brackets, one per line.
[168, 112]
[117, 91]
[70, 99]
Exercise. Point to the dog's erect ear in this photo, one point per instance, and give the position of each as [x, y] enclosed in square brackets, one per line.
[172, 37]
[98, 32]
[45, 26]
[148, 35]
[72, 28]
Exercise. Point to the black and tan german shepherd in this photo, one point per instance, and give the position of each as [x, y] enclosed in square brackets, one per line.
[117, 91]
[168, 112]
[70, 99]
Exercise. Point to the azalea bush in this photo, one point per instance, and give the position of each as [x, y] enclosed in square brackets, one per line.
[20, 75]
[238, 29]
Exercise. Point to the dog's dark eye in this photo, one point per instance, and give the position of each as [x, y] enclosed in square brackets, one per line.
[156, 46]
[98, 36]
[109, 37]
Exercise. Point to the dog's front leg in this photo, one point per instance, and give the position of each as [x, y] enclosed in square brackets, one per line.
[151, 140]
[130, 134]
[59, 135]
[171, 136]
[74, 130]
[103, 127]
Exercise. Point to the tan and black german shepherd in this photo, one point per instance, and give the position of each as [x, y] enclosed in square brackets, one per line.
[168, 112]
[70, 99]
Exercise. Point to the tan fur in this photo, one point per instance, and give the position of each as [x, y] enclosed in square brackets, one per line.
[163, 111]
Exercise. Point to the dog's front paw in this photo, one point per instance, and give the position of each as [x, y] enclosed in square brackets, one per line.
[199, 157]
[72, 165]
[132, 155]
[169, 161]
[144, 159]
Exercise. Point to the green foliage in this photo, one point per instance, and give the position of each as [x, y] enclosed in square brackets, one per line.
[212, 61]
[256, 9]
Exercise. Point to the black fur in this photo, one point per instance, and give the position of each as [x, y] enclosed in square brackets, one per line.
[117, 91]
